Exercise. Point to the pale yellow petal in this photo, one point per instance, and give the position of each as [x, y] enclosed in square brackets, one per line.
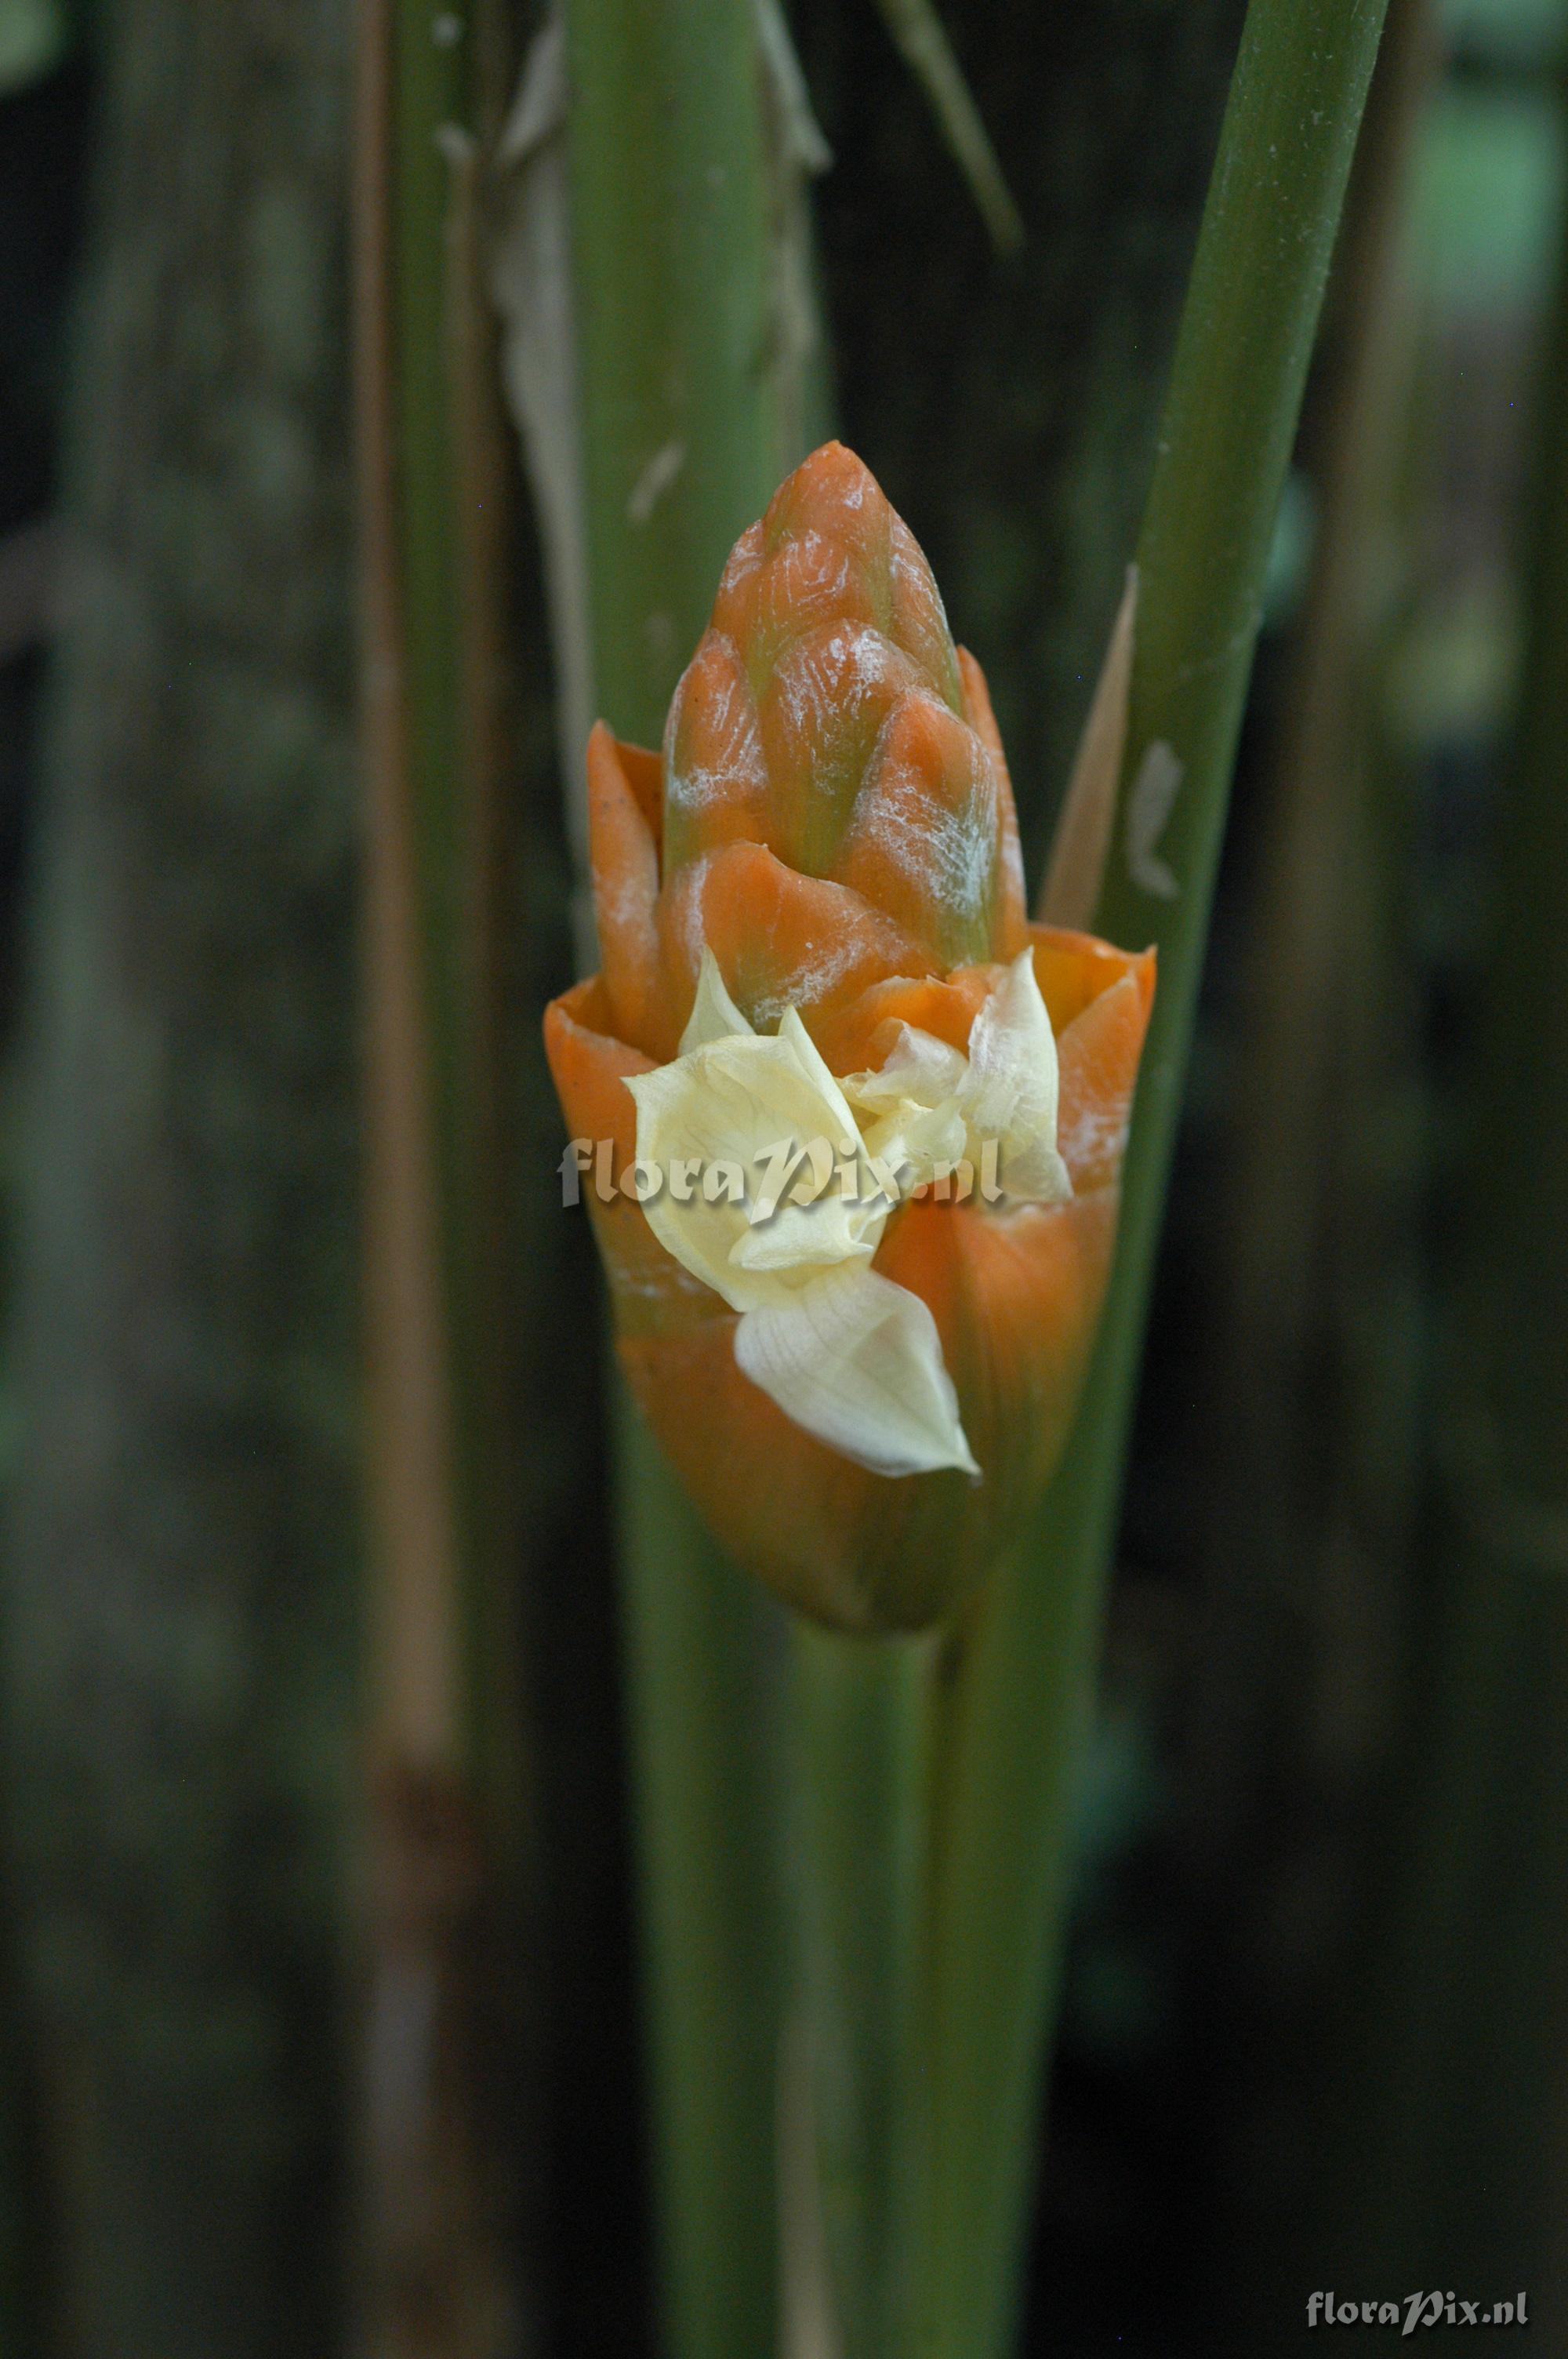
[805, 1238]
[858, 1362]
[714, 1015]
[920, 1069]
[918, 1137]
[1010, 1092]
[793, 1035]
[743, 1099]
[1031, 1172]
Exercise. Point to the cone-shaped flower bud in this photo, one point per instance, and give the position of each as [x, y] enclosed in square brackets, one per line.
[855, 1124]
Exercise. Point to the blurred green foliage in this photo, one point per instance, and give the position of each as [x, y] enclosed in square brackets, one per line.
[1521, 32]
[1488, 187]
[34, 34]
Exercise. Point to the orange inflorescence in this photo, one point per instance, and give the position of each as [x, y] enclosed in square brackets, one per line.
[831, 816]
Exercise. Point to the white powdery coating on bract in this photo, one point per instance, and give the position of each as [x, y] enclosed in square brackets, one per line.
[834, 675]
[1012, 868]
[912, 574]
[804, 984]
[670, 1278]
[744, 558]
[736, 764]
[622, 900]
[818, 578]
[687, 893]
[808, 983]
[1094, 1138]
[951, 852]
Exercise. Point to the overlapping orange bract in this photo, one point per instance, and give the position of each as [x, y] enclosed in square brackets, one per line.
[832, 816]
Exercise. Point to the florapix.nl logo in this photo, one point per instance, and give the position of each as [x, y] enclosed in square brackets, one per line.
[1417, 2311]
[788, 1171]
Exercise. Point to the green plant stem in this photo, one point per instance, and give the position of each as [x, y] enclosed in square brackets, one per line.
[669, 202]
[699, 1643]
[447, 1809]
[917, 26]
[669, 231]
[861, 1727]
[1017, 1703]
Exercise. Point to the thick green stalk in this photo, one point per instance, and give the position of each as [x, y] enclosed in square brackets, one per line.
[1017, 1707]
[669, 198]
[698, 1644]
[860, 1728]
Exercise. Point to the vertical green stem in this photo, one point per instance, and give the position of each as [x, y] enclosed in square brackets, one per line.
[861, 1727]
[669, 230]
[698, 1644]
[1018, 1704]
[669, 201]
[448, 1807]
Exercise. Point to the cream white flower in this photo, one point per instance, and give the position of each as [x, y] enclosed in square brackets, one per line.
[754, 1099]
[935, 1104]
[849, 1355]
[714, 1015]
[858, 1361]
[913, 1103]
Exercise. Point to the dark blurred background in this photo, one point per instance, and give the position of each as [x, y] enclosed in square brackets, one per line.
[1315, 2024]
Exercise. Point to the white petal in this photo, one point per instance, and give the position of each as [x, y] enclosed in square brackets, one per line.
[733, 1101]
[1011, 1080]
[802, 1237]
[714, 1015]
[919, 1137]
[1010, 1092]
[920, 1068]
[1032, 1172]
[858, 1362]
[915, 1098]
[793, 1035]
